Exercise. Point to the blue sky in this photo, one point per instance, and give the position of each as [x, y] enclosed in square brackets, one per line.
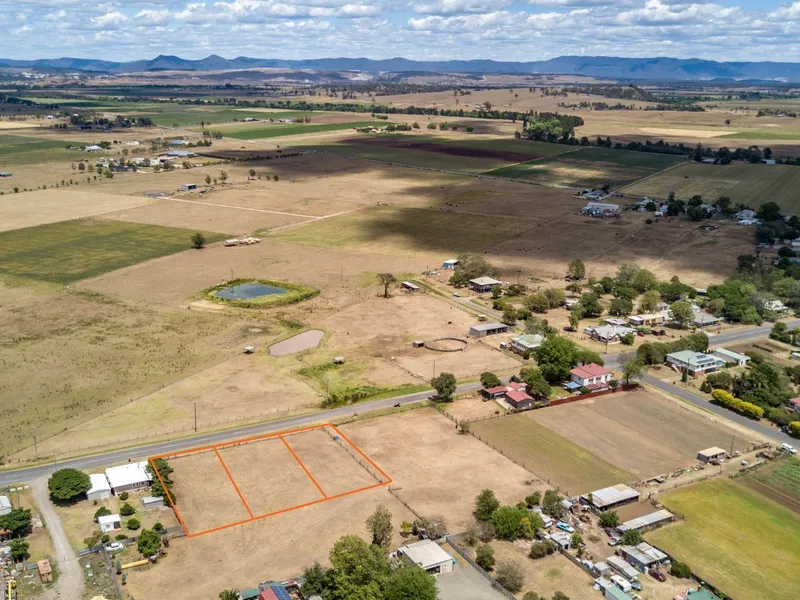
[752, 30]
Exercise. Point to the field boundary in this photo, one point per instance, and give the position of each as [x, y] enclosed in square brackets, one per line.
[383, 479]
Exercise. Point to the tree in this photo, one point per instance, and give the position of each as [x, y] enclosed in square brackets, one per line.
[633, 369]
[411, 583]
[537, 303]
[489, 379]
[126, 510]
[559, 595]
[537, 386]
[507, 521]
[386, 280]
[510, 575]
[644, 280]
[485, 505]
[357, 563]
[769, 211]
[576, 270]
[148, 543]
[223, 176]
[228, 595]
[509, 315]
[208, 179]
[609, 519]
[533, 499]
[591, 305]
[650, 301]
[68, 484]
[680, 570]
[379, 524]
[252, 173]
[17, 522]
[682, 313]
[576, 540]
[19, 549]
[620, 307]
[551, 505]
[556, 357]
[574, 320]
[484, 556]
[631, 537]
[555, 297]
[445, 386]
[533, 596]
[133, 524]
[628, 339]
[542, 549]
[431, 527]
[198, 241]
[471, 266]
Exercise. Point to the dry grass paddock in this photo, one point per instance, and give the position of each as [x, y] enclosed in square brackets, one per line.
[548, 575]
[639, 431]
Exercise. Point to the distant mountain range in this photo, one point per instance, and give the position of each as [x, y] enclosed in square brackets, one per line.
[595, 66]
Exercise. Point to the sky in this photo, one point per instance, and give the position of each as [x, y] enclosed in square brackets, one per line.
[516, 30]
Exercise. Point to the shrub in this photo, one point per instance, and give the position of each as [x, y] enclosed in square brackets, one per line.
[158, 526]
[101, 512]
[133, 524]
[794, 428]
[123, 496]
[126, 510]
[68, 484]
[628, 339]
[748, 409]
[120, 536]
[680, 570]
[509, 574]
[534, 499]
[542, 549]
[105, 539]
[609, 519]
[720, 381]
[198, 241]
[484, 556]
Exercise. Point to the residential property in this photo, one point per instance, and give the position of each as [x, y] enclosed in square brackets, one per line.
[5, 505]
[711, 455]
[591, 376]
[730, 357]
[181, 153]
[612, 592]
[128, 477]
[45, 570]
[702, 319]
[775, 306]
[622, 567]
[594, 195]
[611, 497]
[188, 187]
[109, 523]
[608, 334]
[694, 363]
[794, 403]
[745, 214]
[615, 321]
[767, 161]
[450, 264]
[519, 399]
[274, 592]
[178, 142]
[493, 393]
[526, 343]
[600, 209]
[701, 594]
[646, 522]
[484, 329]
[152, 502]
[644, 556]
[483, 285]
[647, 319]
[561, 538]
[100, 488]
[93, 148]
[427, 555]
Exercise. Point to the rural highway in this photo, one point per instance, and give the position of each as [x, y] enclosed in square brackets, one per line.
[141, 452]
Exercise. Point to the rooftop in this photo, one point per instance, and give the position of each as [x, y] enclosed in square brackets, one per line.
[713, 451]
[734, 356]
[590, 370]
[5, 502]
[518, 396]
[108, 519]
[644, 553]
[614, 494]
[425, 553]
[695, 359]
[623, 566]
[489, 326]
[129, 474]
[646, 520]
[533, 339]
[99, 483]
[485, 281]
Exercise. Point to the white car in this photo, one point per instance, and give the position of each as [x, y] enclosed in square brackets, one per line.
[788, 448]
[115, 546]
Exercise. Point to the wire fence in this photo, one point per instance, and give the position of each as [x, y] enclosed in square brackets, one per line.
[411, 509]
[357, 457]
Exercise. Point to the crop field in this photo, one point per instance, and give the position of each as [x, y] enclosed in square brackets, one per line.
[752, 185]
[284, 129]
[17, 149]
[71, 250]
[779, 481]
[665, 435]
[764, 134]
[736, 539]
[571, 468]
[592, 167]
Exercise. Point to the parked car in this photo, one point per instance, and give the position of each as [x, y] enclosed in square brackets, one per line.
[788, 448]
[564, 527]
[115, 546]
[636, 585]
[456, 294]
[657, 575]
[613, 541]
[640, 333]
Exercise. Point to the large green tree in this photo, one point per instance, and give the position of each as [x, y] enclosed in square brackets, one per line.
[18, 522]
[68, 484]
[445, 386]
[379, 525]
[682, 313]
[507, 521]
[485, 505]
[556, 357]
[149, 542]
[576, 270]
[411, 583]
[537, 386]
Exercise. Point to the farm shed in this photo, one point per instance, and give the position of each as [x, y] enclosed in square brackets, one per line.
[644, 556]
[611, 497]
[648, 521]
[483, 284]
[188, 187]
[710, 455]
[411, 287]
[484, 329]
[601, 568]
[427, 555]
[180, 153]
[100, 488]
[622, 567]
[152, 502]
[128, 477]
[497, 391]
[647, 319]
[612, 592]
[450, 264]
[731, 357]
[5, 505]
[694, 362]
[526, 343]
[109, 523]
[45, 570]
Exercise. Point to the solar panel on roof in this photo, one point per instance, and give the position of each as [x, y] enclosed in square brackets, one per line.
[280, 592]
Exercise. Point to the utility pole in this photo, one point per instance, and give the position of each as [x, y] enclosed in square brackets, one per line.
[327, 383]
[35, 447]
[732, 438]
[195, 417]
[434, 369]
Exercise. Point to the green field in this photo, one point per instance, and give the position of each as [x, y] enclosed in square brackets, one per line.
[740, 542]
[591, 167]
[18, 149]
[783, 475]
[71, 250]
[763, 134]
[270, 130]
[752, 185]
[560, 462]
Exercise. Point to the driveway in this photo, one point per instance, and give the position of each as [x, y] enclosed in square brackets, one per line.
[465, 583]
[69, 584]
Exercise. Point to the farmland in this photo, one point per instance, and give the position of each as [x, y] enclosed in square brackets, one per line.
[752, 185]
[779, 481]
[736, 539]
[17, 149]
[281, 129]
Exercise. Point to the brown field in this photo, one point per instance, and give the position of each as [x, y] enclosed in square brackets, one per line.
[774, 494]
[436, 470]
[548, 575]
[641, 421]
[50, 206]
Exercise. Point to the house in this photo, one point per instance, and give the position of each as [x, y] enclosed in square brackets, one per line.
[128, 477]
[484, 329]
[647, 319]
[794, 403]
[774, 306]
[647, 522]
[100, 488]
[519, 399]
[694, 363]
[592, 376]
[643, 556]
[546, 519]
[730, 357]
[599, 209]
[612, 592]
[180, 153]
[608, 334]
[615, 321]
[411, 287]
[745, 214]
[562, 539]
[5, 174]
[611, 497]
[702, 319]
[495, 392]
[152, 502]
[594, 195]
[274, 592]
[428, 556]
[109, 523]
[711, 455]
[526, 343]
[483, 285]
[450, 264]
[796, 243]
[93, 148]
[5, 505]
[45, 570]
[188, 187]
[622, 567]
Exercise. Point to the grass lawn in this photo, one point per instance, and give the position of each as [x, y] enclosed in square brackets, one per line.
[740, 541]
[751, 184]
[271, 130]
[71, 250]
[591, 167]
[407, 231]
[763, 134]
[560, 462]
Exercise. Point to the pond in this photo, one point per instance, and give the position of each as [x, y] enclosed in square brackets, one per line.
[246, 291]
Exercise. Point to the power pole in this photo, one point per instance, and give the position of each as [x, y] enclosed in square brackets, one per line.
[195, 416]
[35, 447]
[434, 369]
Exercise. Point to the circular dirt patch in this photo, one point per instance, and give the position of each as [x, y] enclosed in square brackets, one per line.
[447, 345]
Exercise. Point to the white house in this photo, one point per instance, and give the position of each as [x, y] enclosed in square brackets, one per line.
[592, 376]
[774, 306]
[608, 334]
[109, 523]
[731, 357]
[93, 148]
[483, 284]
[745, 214]
[100, 488]
[526, 343]
[128, 477]
[428, 556]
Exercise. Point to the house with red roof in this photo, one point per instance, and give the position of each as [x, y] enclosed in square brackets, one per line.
[795, 404]
[591, 376]
[519, 399]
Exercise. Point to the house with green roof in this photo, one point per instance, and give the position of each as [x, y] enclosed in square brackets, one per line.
[526, 343]
[694, 363]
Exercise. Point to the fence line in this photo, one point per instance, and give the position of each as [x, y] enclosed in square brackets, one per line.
[112, 573]
[347, 448]
[465, 555]
[404, 503]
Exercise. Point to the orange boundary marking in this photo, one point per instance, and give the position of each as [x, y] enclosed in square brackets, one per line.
[217, 447]
[300, 462]
[236, 487]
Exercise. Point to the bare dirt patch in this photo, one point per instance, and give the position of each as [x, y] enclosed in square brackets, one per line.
[297, 343]
[684, 133]
[451, 150]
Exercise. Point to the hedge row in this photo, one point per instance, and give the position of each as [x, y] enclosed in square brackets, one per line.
[748, 409]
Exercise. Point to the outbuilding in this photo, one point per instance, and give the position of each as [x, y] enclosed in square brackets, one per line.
[622, 567]
[411, 287]
[450, 264]
[45, 570]
[648, 521]
[643, 556]
[100, 488]
[132, 476]
[483, 285]
[519, 399]
[152, 502]
[612, 592]
[484, 329]
[427, 555]
[188, 187]
[711, 455]
[611, 497]
[109, 523]
[5, 505]
[730, 357]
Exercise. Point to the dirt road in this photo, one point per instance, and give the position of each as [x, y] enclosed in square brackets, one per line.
[70, 579]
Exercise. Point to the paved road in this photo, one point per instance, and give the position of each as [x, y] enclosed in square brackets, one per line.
[734, 337]
[69, 584]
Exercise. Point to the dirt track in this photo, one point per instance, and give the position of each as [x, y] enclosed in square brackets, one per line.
[770, 492]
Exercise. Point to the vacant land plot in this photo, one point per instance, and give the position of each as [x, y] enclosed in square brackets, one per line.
[735, 539]
[665, 435]
[556, 459]
[71, 250]
[752, 185]
[272, 130]
[779, 481]
[17, 149]
[50, 206]
[436, 470]
[592, 167]
[548, 575]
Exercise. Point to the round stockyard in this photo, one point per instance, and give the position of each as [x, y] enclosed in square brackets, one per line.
[259, 293]
[447, 344]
